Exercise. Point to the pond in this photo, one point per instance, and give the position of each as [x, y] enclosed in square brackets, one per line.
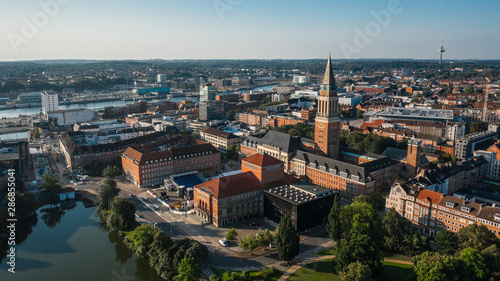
[68, 243]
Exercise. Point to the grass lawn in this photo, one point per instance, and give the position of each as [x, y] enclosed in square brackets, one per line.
[328, 252]
[254, 275]
[324, 271]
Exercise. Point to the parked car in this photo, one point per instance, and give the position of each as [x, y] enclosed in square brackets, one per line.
[223, 242]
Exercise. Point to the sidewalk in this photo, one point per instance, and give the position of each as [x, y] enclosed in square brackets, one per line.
[309, 260]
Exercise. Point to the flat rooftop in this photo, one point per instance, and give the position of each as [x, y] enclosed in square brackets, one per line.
[405, 112]
[188, 181]
[301, 192]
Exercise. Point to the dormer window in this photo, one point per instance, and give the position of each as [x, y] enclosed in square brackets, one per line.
[450, 204]
[466, 209]
[496, 216]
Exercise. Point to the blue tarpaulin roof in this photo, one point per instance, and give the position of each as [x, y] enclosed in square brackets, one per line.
[188, 181]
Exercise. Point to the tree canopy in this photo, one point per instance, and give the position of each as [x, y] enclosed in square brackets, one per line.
[287, 240]
[50, 189]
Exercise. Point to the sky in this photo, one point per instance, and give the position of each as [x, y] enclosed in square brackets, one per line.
[248, 29]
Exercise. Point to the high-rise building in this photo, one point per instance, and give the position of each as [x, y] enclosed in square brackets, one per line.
[160, 78]
[207, 92]
[327, 127]
[50, 102]
[212, 110]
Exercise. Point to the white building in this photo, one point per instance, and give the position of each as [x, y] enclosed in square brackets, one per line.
[160, 78]
[301, 79]
[455, 131]
[350, 99]
[71, 116]
[493, 167]
[305, 94]
[50, 102]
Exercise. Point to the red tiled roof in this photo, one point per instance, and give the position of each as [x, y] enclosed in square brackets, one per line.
[232, 185]
[262, 160]
[426, 194]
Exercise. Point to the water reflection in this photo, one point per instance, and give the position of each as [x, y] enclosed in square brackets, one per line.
[123, 254]
[72, 245]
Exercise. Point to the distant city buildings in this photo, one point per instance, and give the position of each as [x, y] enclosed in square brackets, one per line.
[301, 79]
[161, 78]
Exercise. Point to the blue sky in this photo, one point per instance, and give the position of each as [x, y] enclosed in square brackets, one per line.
[248, 29]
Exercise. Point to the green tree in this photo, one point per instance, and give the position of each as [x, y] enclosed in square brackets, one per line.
[232, 152]
[122, 214]
[188, 271]
[446, 241]
[214, 277]
[230, 115]
[415, 243]
[249, 243]
[265, 237]
[359, 113]
[469, 89]
[110, 172]
[287, 240]
[161, 242]
[334, 226]
[476, 236]
[36, 132]
[471, 265]
[367, 216]
[432, 266]
[394, 230]
[107, 193]
[491, 256]
[50, 189]
[231, 234]
[360, 246]
[478, 127]
[197, 251]
[357, 271]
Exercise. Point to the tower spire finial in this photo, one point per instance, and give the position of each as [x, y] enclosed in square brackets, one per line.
[329, 79]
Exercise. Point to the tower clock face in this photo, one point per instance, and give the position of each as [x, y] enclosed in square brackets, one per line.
[321, 125]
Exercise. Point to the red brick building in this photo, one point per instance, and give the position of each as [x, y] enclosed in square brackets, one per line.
[229, 199]
[151, 167]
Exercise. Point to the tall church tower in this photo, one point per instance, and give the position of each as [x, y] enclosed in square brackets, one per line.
[327, 127]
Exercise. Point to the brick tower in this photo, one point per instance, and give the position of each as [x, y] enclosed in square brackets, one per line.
[327, 123]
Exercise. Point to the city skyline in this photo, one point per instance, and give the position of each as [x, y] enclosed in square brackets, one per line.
[222, 29]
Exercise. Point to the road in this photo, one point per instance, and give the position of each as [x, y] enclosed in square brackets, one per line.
[177, 229]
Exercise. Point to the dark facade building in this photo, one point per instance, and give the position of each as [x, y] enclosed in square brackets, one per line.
[123, 111]
[307, 204]
[15, 154]
[212, 110]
